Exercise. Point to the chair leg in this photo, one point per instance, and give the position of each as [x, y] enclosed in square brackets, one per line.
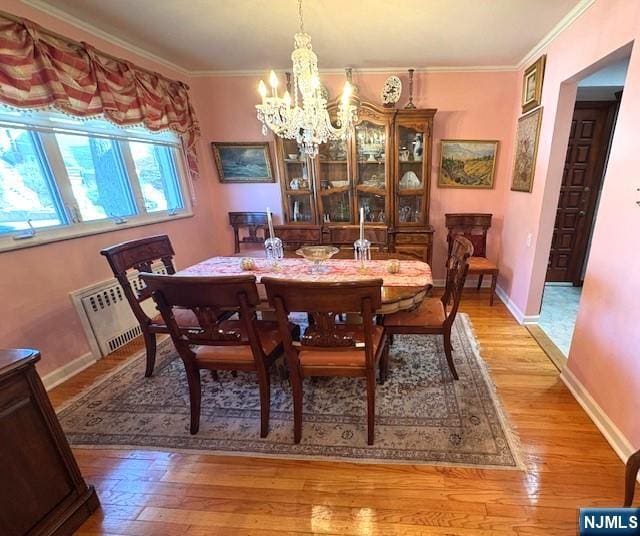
[265, 401]
[447, 350]
[296, 388]
[631, 474]
[494, 280]
[150, 344]
[214, 375]
[195, 393]
[384, 364]
[480, 281]
[371, 405]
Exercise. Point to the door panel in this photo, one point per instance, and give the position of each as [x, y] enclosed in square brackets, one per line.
[586, 151]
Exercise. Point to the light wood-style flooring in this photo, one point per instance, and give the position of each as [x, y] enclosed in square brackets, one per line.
[569, 465]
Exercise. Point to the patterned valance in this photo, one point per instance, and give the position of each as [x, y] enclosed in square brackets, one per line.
[39, 69]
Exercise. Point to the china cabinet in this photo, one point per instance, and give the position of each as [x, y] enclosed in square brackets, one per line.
[382, 168]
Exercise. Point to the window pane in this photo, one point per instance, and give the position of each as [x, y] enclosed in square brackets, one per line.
[97, 176]
[26, 192]
[157, 175]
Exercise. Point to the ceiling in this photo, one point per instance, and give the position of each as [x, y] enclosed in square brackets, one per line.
[249, 35]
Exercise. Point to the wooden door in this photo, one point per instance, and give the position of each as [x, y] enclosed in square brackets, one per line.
[583, 170]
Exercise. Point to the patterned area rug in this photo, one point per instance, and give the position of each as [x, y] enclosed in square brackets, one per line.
[423, 416]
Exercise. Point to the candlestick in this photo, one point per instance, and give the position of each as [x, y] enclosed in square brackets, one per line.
[270, 221]
[361, 223]
[410, 105]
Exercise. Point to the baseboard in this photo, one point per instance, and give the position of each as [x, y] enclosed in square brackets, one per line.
[473, 283]
[619, 443]
[63, 373]
[514, 309]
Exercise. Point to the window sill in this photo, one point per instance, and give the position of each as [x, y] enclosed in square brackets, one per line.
[47, 236]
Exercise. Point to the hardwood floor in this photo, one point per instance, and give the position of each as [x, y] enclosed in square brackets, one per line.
[569, 465]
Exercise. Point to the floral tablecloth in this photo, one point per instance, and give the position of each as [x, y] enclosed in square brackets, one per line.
[411, 274]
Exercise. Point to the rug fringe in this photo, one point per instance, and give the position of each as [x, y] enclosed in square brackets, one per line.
[510, 432]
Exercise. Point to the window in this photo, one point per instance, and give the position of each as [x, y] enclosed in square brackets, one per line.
[62, 177]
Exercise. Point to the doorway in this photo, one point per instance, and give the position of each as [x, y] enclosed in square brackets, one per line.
[592, 127]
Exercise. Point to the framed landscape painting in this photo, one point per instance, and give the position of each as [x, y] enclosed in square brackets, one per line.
[467, 163]
[243, 162]
[526, 151]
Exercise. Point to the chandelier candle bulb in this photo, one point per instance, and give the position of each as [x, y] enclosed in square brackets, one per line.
[361, 223]
[262, 89]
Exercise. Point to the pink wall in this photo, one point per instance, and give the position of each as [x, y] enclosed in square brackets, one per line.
[471, 105]
[36, 282]
[604, 352]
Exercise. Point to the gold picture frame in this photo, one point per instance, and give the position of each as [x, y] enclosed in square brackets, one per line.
[467, 163]
[532, 84]
[526, 151]
[243, 162]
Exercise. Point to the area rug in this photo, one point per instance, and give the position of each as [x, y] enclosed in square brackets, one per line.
[423, 416]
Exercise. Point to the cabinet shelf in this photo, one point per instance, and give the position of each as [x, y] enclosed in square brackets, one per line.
[322, 161]
[332, 191]
[371, 190]
[299, 192]
[290, 161]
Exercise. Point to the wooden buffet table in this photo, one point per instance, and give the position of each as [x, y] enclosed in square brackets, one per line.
[401, 291]
[41, 489]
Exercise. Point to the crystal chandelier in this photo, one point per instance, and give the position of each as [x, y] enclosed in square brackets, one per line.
[304, 117]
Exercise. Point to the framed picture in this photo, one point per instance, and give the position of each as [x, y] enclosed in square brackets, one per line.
[467, 163]
[532, 85]
[243, 162]
[526, 151]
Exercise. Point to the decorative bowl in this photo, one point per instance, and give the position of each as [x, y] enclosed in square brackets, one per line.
[317, 255]
[293, 156]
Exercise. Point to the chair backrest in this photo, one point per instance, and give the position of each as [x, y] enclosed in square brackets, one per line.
[457, 269]
[139, 255]
[323, 301]
[473, 227]
[253, 222]
[207, 298]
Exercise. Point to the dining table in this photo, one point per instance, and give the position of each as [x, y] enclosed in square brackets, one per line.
[402, 290]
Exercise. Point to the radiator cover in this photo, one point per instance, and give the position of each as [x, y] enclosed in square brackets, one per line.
[106, 315]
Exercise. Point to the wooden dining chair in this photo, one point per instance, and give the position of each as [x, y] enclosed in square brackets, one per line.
[328, 348]
[435, 316]
[246, 344]
[474, 227]
[140, 255]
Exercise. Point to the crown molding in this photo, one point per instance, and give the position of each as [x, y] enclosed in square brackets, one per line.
[564, 23]
[365, 70]
[106, 36]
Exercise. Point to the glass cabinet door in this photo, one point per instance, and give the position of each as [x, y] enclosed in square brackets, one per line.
[411, 187]
[371, 188]
[334, 182]
[297, 183]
